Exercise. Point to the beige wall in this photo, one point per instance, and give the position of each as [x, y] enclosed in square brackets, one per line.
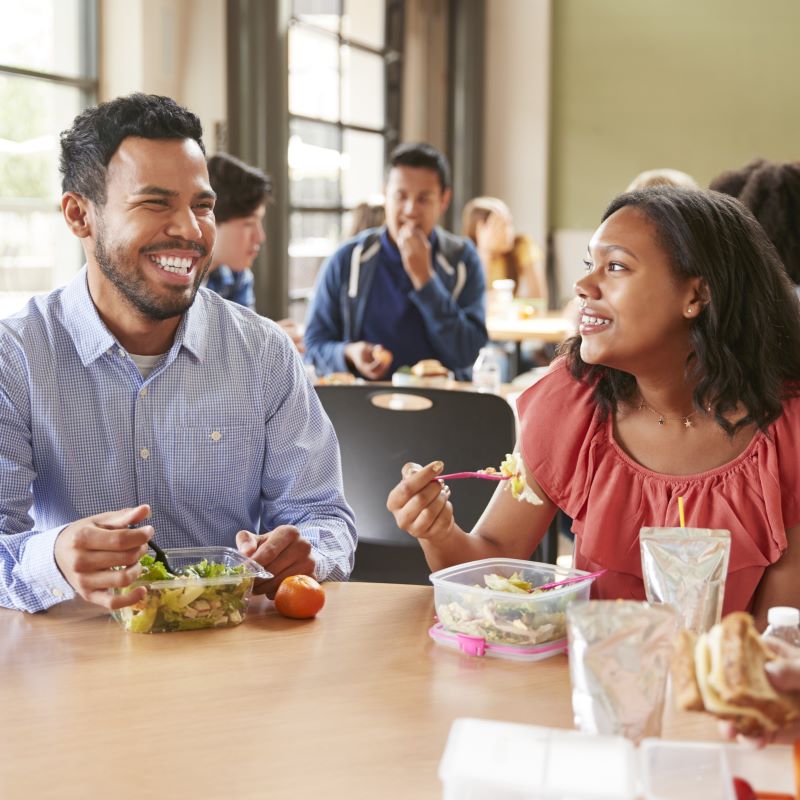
[171, 47]
[697, 85]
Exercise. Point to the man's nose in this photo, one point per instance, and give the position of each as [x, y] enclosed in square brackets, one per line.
[183, 224]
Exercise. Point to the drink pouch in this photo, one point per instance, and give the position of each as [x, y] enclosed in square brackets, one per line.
[619, 654]
[686, 568]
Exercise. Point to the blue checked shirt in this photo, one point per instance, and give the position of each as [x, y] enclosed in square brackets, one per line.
[225, 434]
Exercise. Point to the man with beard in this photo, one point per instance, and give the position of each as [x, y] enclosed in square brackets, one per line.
[134, 404]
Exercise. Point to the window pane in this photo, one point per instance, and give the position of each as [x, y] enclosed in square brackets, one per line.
[322, 13]
[313, 74]
[43, 35]
[364, 22]
[36, 251]
[362, 166]
[313, 238]
[314, 164]
[362, 88]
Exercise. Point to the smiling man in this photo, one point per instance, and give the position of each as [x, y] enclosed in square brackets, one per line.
[409, 291]
[134, 403]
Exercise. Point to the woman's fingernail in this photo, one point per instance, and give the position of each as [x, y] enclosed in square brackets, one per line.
[437, 466]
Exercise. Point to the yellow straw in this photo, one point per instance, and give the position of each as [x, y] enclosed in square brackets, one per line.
[680, 512]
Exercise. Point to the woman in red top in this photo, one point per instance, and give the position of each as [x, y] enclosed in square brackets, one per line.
[684, 381]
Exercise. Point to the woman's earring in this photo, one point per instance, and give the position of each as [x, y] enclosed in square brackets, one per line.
[689, 310]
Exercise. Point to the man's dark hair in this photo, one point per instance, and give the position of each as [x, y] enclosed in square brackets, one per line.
[418, 154]
[772, 192]
[240, 188]
[746, 340]
[96, 133]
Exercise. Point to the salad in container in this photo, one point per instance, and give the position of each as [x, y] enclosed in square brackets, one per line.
[497, 600]
[210, 588]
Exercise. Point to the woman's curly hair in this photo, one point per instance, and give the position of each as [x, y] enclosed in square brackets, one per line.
[746, 340]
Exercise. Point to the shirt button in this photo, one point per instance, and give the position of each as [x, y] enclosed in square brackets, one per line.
[216, 436]
[144, 453]
[143, 391]
[57, 593]
[121, 353]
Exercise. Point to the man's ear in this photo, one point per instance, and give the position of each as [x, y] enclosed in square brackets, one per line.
[447, 195]
[75, 209]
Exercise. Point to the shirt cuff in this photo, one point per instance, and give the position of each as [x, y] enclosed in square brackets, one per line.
[40, 571]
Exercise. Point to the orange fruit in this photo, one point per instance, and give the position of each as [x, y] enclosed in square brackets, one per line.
[299, 597]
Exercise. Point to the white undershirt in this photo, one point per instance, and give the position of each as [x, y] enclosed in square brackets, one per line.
[145, 364]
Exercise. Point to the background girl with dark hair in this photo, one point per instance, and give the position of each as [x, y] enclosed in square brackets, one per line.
[772, 192]
[683, 381]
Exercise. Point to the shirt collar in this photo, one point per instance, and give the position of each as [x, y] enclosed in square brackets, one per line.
[92, 338]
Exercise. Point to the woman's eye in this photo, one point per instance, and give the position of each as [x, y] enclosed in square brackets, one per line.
[587, 266]
[615, 266]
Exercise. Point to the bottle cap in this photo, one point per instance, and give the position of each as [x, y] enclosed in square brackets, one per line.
[783, 616]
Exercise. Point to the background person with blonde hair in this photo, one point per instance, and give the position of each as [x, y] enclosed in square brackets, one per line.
[662, 177]
[504, 253]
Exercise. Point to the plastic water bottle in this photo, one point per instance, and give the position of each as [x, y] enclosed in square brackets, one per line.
[783, 622]
[486, 372]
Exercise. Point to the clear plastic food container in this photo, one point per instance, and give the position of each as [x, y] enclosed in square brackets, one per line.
[189, 602]
[529, 625]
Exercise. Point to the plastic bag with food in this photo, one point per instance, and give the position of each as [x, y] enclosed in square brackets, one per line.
[619, 655]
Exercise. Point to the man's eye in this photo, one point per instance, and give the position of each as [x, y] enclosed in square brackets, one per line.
[205, 206]
[161, 203]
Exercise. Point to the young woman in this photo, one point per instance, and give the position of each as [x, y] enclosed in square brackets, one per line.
[504, 253]
[683, 381]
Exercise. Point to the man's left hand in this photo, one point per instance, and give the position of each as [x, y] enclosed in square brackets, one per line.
[415, 250]
[282, 551]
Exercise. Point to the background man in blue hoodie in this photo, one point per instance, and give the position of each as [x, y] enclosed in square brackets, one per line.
[410, 288]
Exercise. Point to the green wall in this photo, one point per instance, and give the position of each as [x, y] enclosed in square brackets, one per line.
[697, 85]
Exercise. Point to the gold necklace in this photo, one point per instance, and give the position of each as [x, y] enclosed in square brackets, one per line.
[686, 419]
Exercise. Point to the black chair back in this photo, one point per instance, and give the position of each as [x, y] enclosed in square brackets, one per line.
[382, 428]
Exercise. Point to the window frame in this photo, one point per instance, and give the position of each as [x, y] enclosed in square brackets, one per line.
[392, 55]
[87, 83]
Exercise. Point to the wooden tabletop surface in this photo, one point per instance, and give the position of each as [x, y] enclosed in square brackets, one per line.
[551, 327]
[356, 703]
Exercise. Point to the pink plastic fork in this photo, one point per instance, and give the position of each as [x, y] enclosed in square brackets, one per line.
[575, 579]
[487, 476]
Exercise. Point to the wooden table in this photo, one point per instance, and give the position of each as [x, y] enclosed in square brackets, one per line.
[552, 328]
[355, 704]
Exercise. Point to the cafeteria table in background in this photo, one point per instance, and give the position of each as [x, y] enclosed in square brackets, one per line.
[551, 328]
[356, 703]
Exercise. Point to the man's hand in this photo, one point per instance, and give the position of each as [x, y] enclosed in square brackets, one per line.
[283, 552]
[415, 250]
[370, 360]
[86, 550]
